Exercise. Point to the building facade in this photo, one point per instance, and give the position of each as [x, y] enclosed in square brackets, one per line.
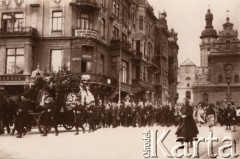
[217, 78]
[110, 40]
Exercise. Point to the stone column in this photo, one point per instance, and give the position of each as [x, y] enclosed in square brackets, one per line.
[28, 61]
[2, 60]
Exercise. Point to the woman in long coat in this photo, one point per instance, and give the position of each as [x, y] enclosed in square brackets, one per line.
[187, 127]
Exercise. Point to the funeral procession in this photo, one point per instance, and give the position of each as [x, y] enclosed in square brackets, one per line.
[94, 76]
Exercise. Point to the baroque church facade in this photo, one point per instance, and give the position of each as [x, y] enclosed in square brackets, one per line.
[216, 80]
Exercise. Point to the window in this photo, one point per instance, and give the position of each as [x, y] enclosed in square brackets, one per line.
[187, 69]
[188, 94]
[84, 21]
[124, 37]
[150, 50]
[115, 8]
[103, 27]
[57, 21]
[124, 16]
[133, 18]
[115, 33]
[124, 72]
[220, 79]
[188, 78]
[104, 3]
[236, 79]
[141, 22]
[12, 22]
[86, 66]
[138, 45]
[15, 61]
[188, 85]
[205, 97]
[102, 60]
[56, 60]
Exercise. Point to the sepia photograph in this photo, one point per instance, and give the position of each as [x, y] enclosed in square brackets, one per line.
[119, 79]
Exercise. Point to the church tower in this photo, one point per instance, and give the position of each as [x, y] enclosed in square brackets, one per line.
[208, 37]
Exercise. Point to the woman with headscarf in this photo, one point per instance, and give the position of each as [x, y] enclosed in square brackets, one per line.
[187, 127]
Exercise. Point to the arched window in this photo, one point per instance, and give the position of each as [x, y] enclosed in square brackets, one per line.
[188, 78]
[220, 79]
[205, 97]
[188, 94]
[236, 79]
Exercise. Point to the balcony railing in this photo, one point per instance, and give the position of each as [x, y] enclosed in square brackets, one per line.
[86, 4]
[87, 33]
[115, 44]
[19, 31]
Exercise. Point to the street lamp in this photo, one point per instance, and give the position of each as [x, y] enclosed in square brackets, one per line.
[228, 69]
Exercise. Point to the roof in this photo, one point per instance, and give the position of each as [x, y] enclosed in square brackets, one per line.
[187, 62]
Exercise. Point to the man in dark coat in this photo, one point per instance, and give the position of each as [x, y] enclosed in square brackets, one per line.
[51, 115]
[128, 114]
[21, 120]
[187, 127]
[79, 116]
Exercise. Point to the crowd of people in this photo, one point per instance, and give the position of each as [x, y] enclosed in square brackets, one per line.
[129, 114]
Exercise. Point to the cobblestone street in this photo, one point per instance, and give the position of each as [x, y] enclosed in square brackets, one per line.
[118, 143]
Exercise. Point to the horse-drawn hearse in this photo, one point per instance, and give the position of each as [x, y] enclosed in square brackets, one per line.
[74, 104]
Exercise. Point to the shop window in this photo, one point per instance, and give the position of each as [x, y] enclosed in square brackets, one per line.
[56, 60]
[12, 22]
[86, 66]
[84, 21]
[15, 61]
[57, 21]
[124, 72]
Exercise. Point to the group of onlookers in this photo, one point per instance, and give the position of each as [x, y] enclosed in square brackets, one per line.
[227, 114]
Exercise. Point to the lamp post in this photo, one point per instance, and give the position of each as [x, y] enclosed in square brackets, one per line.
[228, 69]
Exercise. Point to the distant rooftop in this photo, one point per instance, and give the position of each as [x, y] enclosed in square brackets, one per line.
[187, 62]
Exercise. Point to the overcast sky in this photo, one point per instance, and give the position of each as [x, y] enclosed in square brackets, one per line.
[187, 18]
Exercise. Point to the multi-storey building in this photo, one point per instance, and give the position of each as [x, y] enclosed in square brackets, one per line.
[113, 41]
[217, 79]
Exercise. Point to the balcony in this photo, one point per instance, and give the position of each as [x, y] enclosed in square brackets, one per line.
[143, 84]
[13, 79]
[140, 56]
[85, 33]
[126, 87]
[86, 4]
[20, 31]
[126, 46]
[154, 63]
